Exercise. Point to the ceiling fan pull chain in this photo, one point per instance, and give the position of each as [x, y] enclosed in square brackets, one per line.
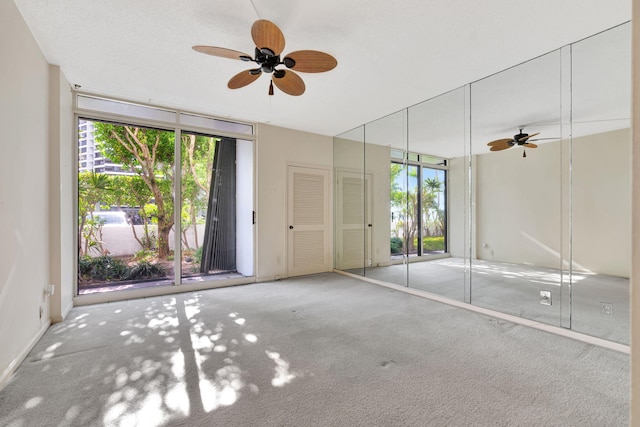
[271, 87]
[524, 153]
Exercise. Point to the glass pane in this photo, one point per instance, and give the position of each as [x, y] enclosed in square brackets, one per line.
[437, 132]
[518, 190]
[348, 158]
[601, 177]
[216, 186]
[125, 207]
[125, 108]
[434, 212]
[397, 154]
[411, 211]
[215, 124]
[388, 189]
[398, 207]
[433, 160]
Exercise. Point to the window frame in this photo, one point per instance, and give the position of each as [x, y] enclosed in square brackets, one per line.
[421, 161]
[167, 125]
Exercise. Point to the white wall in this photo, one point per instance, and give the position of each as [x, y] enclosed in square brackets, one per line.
[519, 206]
[522, 215]
[276, 148]
[24, 189]
[601, 219]
[62, 242]
[458, 203]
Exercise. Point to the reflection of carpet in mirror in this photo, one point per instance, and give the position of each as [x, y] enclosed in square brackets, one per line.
[515, 289]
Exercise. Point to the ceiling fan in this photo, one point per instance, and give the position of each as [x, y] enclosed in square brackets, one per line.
[269, 42]
[518, 139]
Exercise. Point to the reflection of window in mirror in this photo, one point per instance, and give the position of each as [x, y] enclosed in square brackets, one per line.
[418, 203]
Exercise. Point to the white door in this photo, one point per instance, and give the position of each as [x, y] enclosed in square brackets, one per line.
[308, 221]
[353, 237]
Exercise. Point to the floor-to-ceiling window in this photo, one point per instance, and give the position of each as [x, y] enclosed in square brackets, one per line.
[418, 210]
[160, 201]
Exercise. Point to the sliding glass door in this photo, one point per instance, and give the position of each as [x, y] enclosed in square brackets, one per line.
[208, 208]
[125, 206]
[161, 207]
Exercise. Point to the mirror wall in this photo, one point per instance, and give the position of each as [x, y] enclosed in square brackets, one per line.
[601, 176]
[350, 215]
[519, 210]
[510, 193]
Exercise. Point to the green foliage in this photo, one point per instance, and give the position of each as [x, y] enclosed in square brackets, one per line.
[396, 245]
[197, 256]
[151, 210]
[150, 154]
[102, 268]
[433, 243]
[129, 190]
[144, 255]
[146, 270]
[412, 208]
[106, 268]
[128, 144]
[93, 188]
[148, 241]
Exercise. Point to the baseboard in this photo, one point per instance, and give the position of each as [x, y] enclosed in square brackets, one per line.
[8, 373]
[270, 278]
[106, 297]
[601, 342]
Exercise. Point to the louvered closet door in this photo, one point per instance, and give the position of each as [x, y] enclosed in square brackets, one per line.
[308, 221]
[353, 235]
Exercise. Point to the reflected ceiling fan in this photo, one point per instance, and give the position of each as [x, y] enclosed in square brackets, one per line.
[523, 139]
[269, 42]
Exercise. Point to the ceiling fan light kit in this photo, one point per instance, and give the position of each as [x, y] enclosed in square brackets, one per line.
[270, 42]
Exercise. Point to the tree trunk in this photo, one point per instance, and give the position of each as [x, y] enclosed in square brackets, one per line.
[163, 239]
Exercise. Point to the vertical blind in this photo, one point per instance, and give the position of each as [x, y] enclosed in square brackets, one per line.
[219, 246]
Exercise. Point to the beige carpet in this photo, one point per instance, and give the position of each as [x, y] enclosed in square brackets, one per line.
[515, 289]
[321, 350]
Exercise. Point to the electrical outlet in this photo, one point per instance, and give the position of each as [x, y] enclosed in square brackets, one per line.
[545, 297]
[606, 309]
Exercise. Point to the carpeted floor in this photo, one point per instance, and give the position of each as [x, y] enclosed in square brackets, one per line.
[515, 289]
[320, 350]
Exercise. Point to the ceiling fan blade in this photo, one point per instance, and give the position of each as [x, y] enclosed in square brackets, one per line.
[499, 147]
[542, 139]
[267, 34]
[528, 137]
[499, 142]
[312, 61]
[242, 79]
[529, 145]
[290, 83]
[220, 51]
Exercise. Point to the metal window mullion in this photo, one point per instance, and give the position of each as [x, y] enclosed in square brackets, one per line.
[177, 208]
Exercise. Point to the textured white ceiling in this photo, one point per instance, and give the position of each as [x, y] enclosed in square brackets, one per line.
[391, 54]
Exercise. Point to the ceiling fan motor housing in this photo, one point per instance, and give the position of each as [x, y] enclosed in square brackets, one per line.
[267, 59]
[519, 137]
